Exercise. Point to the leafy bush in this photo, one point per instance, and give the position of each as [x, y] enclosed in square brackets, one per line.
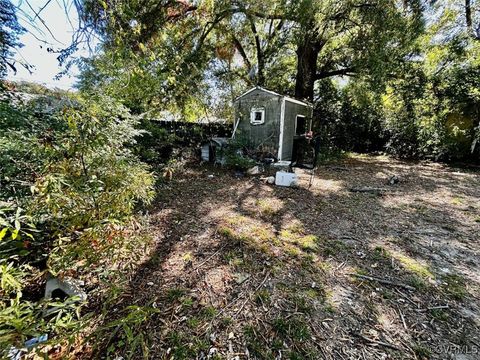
[71, 186]
[420, 114]
[235, 156]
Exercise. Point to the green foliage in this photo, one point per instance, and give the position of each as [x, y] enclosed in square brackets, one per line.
[428, 108]
[21, 318]
[433, 113]
[10, 29]
[72, 186]
[235, 156]
[349, 119]
[155, 145]
[127, 334]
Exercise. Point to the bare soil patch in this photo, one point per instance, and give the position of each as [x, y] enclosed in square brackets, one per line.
[246, 270]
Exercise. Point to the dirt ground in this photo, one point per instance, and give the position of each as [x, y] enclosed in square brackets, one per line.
[247, 270]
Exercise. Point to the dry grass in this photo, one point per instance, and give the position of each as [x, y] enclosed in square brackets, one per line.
[264, 271]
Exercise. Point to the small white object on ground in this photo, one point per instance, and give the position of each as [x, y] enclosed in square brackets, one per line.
[254, 170]
[14, 353]
[271, 180]
[70, 286]
[283, 178]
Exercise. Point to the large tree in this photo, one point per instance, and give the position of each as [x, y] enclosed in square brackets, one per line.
[10, 29]
[174, 48]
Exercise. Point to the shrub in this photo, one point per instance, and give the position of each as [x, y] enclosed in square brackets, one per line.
[71, 187]
[235, 155]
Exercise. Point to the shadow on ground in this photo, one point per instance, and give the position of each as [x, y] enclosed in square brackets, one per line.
[242, 269]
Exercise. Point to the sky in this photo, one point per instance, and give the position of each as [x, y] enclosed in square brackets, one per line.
[35, 52]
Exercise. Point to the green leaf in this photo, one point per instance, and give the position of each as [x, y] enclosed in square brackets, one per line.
[3, 232]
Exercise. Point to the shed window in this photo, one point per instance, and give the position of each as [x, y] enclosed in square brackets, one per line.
[257, 115]
[300, 125]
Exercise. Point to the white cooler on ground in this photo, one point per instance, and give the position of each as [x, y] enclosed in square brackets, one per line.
[283, 178]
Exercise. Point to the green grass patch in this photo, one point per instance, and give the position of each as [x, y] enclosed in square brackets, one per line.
[379, 253]
[208, 313]
[175, 294]
[187, 302]
[193, 322]
[457, 201]
[233, 235]
[266, 208]
[301, 303]
[296, 227]
[293, 328]
[422, 352]
[333, 247]
[454, 286]
[412, 265]
[304, 242]
[185, 346]
[262, 296]
[417, 282]
[257, 346]
[439, 314]
[308, 242]
[236, 220]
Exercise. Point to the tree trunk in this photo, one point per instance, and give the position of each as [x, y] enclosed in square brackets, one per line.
[307, 55]
[468, 15]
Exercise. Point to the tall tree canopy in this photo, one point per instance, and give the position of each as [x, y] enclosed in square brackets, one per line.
[430, 108]
[171, 50]
[415, 60]
[10, 29]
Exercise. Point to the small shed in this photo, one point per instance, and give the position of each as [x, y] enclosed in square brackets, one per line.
[270, 122]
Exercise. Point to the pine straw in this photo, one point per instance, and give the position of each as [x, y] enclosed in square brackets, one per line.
[242, 269]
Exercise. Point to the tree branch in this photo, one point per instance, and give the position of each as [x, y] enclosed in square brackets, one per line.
[339, 72]
[242, 52]
[260, 58]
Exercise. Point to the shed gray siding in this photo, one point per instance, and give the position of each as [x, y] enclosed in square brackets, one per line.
[277, 133]
[291, 111]
[265, 135]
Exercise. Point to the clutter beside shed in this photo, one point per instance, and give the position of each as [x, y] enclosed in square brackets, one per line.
[283, 178]
[269, 131]
[210, 150]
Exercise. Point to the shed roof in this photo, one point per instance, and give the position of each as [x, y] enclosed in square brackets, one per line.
[287, 98]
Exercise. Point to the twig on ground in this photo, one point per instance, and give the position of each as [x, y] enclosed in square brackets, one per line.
[441, 307]
[403, 318]
[207, 259]
[231, 304]
[376, 342]
[408, 299]
[383, 281]
[336, 352]
[311, 178]
[248, 298]
[336, 168]
[339, 266]
[368, 189]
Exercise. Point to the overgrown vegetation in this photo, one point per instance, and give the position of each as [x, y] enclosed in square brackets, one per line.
[70, 187]
[428, 108]
[394, 76]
